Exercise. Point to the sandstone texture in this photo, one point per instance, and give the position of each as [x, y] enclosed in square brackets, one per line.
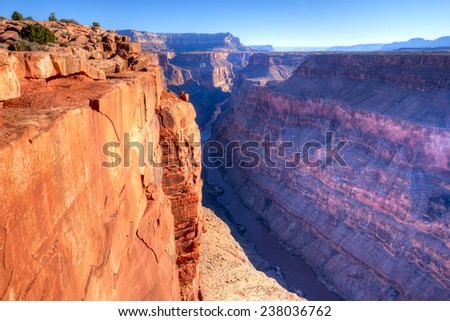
[91, 46]
[180, 147]
[377, 229]
[74, 225]
[227, 271]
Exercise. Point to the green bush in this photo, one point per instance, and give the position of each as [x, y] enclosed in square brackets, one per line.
[36, 33]
[28, 18]
[52, 17]
[69, 21]
[96, 24]
[17, 16]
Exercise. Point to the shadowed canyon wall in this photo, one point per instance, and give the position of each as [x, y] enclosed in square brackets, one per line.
[203, 65]
[72, 229]
[207, 76]
[378, 228]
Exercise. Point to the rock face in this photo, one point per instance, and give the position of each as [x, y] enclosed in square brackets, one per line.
[184, 42]
[9, 83]
[180, 143]
[377, 229]
[203, 65]
[209, 69]
[85, 214]
[227, 271]
[263, 68]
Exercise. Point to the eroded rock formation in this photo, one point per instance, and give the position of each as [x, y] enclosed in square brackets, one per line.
[92, 46]
[207, 76]
[203, 65]
[184, 42]
[378, 228]
[76, 224]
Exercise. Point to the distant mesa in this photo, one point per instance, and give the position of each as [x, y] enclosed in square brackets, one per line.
[300, 49]
[360, 47]
[184, 42]
[267, 48]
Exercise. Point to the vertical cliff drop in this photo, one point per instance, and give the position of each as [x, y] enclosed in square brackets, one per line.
[76, 224]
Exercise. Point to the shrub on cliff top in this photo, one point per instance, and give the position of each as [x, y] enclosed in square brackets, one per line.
[52, 17]
[17, 16]
[36, 33]
[69, 21]
[96, 24]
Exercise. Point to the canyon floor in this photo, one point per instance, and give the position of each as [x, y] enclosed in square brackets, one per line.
[228, 274]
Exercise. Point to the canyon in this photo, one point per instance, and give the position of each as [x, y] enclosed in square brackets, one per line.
[207, 76]
[203, 65]
[376, 228]
[100, 174]
[105, 194]
[75, 225]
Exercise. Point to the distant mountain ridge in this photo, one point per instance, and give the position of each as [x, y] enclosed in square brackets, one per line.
[414, 43]
[184, 42]
[419, 43]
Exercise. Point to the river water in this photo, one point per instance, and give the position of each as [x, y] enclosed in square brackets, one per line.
[294, 271]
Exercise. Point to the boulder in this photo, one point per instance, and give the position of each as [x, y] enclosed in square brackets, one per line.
[130, 47]
[109, 47]
[89, 48]
[9, 83]
[184, 96]
[105, 65]
[35, 65]
[96, 55]
[9, 35]
[109, 38]
[140, 62]
[122, 53]
[79, 40]
[121, 64]
[70, 65]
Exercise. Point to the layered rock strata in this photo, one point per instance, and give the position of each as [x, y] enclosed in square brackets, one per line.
[377, 229]
[207, 76]
[184, 42]
[81, 220]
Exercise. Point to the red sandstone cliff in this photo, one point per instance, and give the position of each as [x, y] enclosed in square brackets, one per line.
[378, 228]
[72, 229]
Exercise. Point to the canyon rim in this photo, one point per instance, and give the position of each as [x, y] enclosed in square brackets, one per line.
[137, 165]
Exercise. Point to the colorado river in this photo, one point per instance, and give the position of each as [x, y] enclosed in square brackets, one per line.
[295, 272]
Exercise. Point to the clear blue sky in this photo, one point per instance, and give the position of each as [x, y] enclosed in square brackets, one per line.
[276, 22]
